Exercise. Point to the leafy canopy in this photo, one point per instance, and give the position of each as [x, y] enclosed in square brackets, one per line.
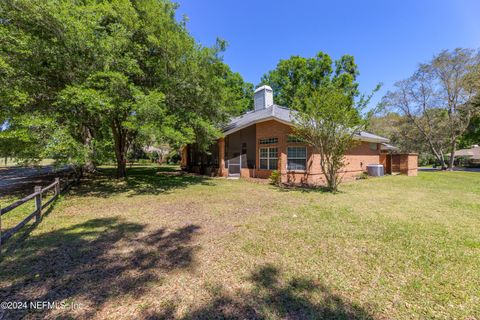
[106, 75]
[329, 122]
[330, 109]
[307, 74]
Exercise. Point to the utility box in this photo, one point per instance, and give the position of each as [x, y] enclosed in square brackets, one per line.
[375, 170]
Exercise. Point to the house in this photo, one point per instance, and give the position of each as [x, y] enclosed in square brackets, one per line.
[261, 141]
[472, 154]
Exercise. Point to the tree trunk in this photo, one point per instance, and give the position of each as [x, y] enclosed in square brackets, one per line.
[441, 158]
[333, 181]
[452, 154]
[121, 163]
[87, 137]
[438, 155]
[120, 138]
[121, 168]
[89, 166]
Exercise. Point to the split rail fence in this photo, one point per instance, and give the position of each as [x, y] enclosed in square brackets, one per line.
[37, 196]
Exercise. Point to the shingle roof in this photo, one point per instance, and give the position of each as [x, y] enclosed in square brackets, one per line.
[473, 152]
[251, 117]
[386, 146]
[282, 114]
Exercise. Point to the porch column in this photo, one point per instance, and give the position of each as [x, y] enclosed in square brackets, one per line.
[221, 158]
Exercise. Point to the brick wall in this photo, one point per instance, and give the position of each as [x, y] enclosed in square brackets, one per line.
[357, 158]
[409, 164]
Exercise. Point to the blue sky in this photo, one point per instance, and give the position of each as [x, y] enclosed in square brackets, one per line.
[387, 38]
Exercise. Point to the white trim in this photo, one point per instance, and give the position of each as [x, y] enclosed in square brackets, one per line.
[268, 158]
[264, 87]
[375, 140]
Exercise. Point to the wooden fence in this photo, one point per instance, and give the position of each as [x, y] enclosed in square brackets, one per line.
[39, 206]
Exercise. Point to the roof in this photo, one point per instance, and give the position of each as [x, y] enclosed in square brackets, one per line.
[386, 146]
[283, 115]
[473, 152]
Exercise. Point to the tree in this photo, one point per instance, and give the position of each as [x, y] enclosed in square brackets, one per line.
[402, 134]
[328, 104]
[107, 74]
[437, 99]
[329, 122]
[398, 130]
[472, 134]
[296, 73]
[239, 93]
[459, 77]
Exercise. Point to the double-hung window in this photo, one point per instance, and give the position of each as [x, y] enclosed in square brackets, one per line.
[297, 158]
[269, 158]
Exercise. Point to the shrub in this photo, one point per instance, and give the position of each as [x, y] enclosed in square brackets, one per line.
[363, 175]
[275, 178]
[173, 157]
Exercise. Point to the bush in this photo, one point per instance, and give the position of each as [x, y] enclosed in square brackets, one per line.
[362, 176]
[154, 156]
[173, 157]
[425, 159]
[275, 178]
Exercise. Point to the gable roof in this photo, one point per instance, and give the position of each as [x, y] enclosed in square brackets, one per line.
[273, 112]
[473, 152]
[283, 115]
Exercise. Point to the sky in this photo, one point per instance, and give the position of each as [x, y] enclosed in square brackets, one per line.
[387, 38]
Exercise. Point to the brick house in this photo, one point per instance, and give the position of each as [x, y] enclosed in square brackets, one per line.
[261, 141]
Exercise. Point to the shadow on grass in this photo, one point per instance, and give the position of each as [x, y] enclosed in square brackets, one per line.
[305, 189]
[271, 298]
[18, 238]
[140, 181]
[91, 262]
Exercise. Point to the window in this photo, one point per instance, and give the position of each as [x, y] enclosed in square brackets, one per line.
[268, 158]
[296, 158]
[293, 139]
[373, 146]
[268, 141]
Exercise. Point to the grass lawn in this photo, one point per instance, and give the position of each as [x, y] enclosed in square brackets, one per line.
[162, 245]
[10, 162]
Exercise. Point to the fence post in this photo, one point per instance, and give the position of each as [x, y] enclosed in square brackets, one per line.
[57, 186]
[38, 203]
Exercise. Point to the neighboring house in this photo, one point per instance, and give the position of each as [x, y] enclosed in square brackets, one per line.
[261, 141]
[472, 154]
[162, 151]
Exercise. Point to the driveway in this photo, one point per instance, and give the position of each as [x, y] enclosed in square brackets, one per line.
[466, 169]
[454, 169]
[18, 178]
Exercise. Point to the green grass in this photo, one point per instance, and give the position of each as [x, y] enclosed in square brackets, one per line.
[165, 245]
[10, 162]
